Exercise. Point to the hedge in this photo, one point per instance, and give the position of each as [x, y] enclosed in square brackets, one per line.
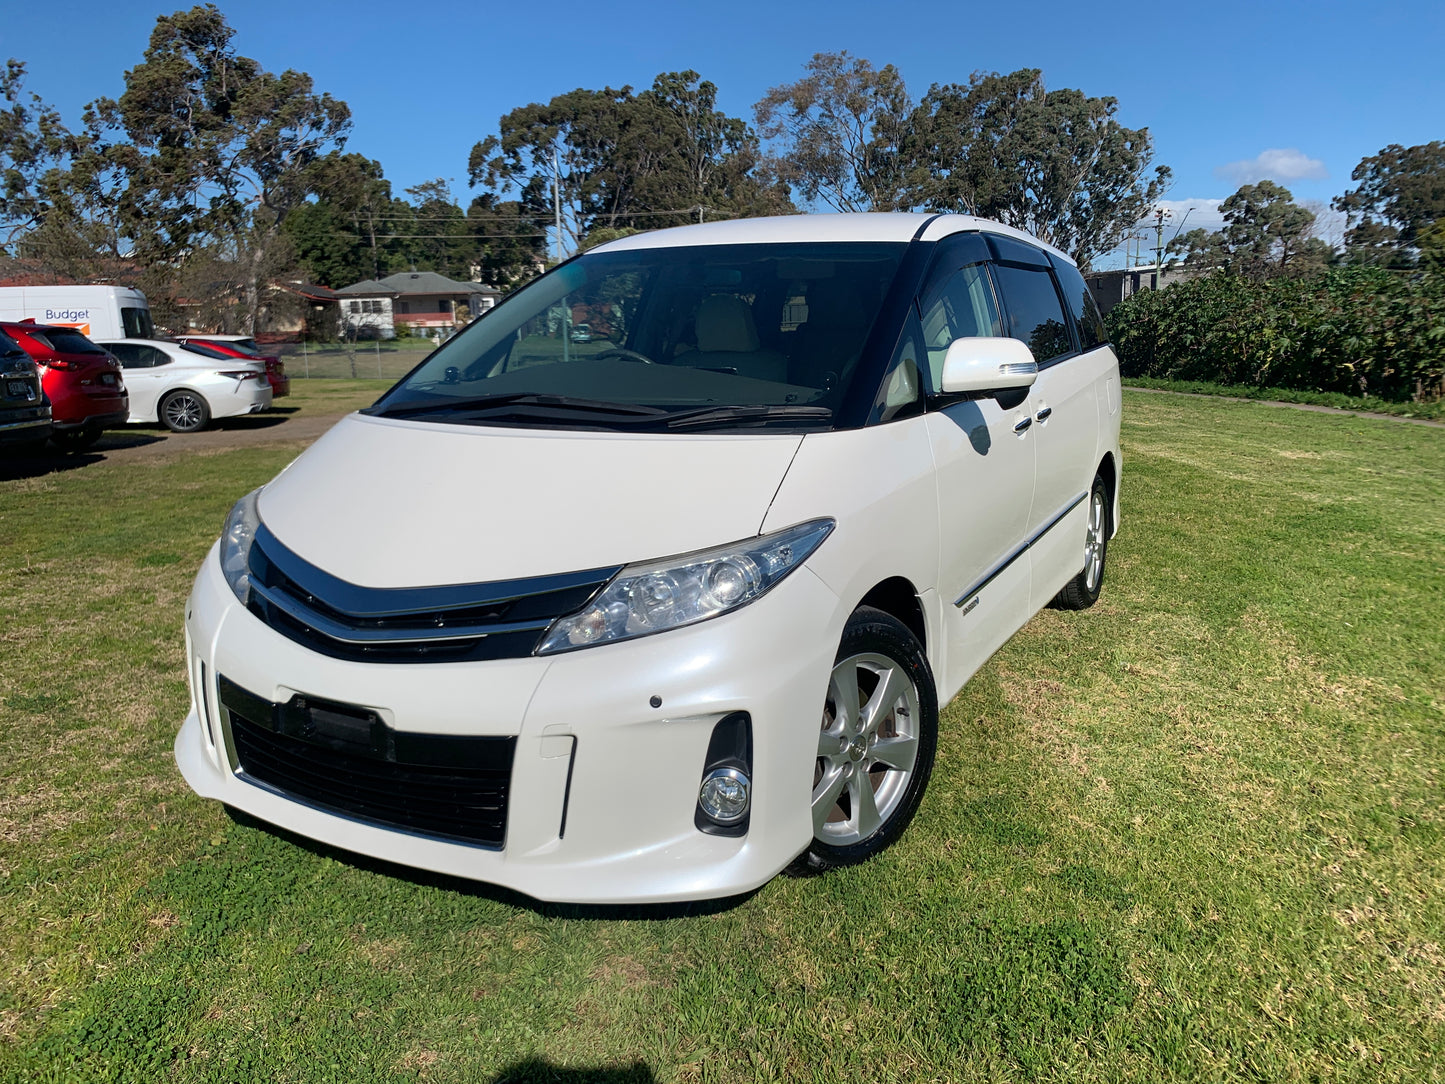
[1355, 331]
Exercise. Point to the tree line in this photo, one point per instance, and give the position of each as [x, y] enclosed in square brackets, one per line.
[211, 178]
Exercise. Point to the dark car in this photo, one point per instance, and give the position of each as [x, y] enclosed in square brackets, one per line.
[24, 411]
[82, 381]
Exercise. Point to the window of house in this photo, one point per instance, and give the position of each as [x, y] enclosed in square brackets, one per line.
[444, 305]
[354, 306]
[403, 306]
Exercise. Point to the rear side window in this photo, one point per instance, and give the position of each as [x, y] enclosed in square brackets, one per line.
[1035, 315]
[1082, 304]
[139, 356]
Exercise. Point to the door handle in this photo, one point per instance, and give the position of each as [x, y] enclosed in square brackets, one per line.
[1043, 414]
[1022, 424]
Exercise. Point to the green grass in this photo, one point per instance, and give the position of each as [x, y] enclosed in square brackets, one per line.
[1433, 410]
[1195, 833]
[389, 360]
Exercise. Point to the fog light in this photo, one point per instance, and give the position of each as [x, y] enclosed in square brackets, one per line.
[724, 795]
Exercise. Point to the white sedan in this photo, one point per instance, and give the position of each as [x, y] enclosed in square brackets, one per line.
[184, 386]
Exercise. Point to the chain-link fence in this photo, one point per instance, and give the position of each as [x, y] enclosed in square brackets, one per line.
[366, 360]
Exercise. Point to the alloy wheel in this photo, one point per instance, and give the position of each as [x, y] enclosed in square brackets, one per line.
[183, 412]
[1094, 542]
[867, 748]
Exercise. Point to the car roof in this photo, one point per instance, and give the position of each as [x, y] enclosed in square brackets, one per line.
[869, 226]
[216, 338]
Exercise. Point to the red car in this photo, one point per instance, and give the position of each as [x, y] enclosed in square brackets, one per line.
[239, 346]
[82, 380]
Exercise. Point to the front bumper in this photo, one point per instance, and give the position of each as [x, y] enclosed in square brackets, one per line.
[588, 741]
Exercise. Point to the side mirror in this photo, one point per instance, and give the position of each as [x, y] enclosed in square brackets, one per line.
[987, 365]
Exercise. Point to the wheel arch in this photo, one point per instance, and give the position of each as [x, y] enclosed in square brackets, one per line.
[897, 596]
[1110, 472]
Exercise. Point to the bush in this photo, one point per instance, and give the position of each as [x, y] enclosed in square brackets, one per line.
[1355, 331]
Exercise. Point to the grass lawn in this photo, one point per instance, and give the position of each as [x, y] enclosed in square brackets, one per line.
[1196, 833]
[389, 360]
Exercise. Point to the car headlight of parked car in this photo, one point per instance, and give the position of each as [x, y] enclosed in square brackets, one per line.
[236, 538]
[676, 591]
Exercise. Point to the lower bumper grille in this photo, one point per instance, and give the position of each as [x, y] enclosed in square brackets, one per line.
[346, 760]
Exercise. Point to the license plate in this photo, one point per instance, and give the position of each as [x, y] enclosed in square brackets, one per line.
[107, 378]
[20, 389]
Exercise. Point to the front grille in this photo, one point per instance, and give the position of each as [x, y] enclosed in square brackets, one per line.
[344, 759]
[463, 622]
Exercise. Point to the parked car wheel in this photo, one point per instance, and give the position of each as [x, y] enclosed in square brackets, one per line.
[1083, 590]
[184, 411]
[876, 742]
[75, 440]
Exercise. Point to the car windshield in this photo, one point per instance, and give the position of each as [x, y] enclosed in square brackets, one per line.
[65, 341]
[206, 351]
[10, 349]
[760, 334]
[241, 346]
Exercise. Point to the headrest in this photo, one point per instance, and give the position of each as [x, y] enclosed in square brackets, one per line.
[725, 324]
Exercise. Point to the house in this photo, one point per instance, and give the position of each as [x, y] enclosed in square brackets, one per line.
[366, 310]
[422, 301]
[1111, 287]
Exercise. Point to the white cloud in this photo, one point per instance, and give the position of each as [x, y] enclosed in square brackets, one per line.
[1276, 164]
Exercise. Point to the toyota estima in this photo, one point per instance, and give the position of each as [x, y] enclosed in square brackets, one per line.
[652, 612]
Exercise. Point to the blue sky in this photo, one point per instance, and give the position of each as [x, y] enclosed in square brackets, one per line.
[1231, 91]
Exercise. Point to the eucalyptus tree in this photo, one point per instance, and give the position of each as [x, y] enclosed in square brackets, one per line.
[1055, 163]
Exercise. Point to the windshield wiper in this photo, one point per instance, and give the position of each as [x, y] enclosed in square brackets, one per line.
[486, 405]
[707, 416]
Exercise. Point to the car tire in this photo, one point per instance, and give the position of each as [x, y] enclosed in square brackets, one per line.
[75, 440]
[1083, 590]
[184, 411]
[862, 801]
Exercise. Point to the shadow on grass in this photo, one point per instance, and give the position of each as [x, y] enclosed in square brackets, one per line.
[20, 462]
[626, 912]
[539, 1071]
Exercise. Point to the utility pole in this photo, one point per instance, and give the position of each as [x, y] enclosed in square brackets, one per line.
[1160, 214]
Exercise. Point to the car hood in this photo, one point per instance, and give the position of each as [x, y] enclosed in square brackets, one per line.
[384, 502]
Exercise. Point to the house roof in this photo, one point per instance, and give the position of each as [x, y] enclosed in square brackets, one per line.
[311, 291]
[367, 288]
[429, 282]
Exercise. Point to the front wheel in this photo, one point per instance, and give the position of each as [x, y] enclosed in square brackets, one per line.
[1083, 590]
[876, 742]
[184, 411]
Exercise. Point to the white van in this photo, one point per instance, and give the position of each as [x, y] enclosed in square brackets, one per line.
[649, 617]
[97, 312]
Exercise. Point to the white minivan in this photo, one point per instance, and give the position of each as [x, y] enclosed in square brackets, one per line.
[654, 615]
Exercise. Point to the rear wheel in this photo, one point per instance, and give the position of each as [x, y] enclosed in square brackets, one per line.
[876, 742]
[184, 411]
[1083, 590]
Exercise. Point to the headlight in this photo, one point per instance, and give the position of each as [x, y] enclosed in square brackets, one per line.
[667, 594]
[236, 538]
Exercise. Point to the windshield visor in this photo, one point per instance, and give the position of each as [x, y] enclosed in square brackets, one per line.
[750, 326]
